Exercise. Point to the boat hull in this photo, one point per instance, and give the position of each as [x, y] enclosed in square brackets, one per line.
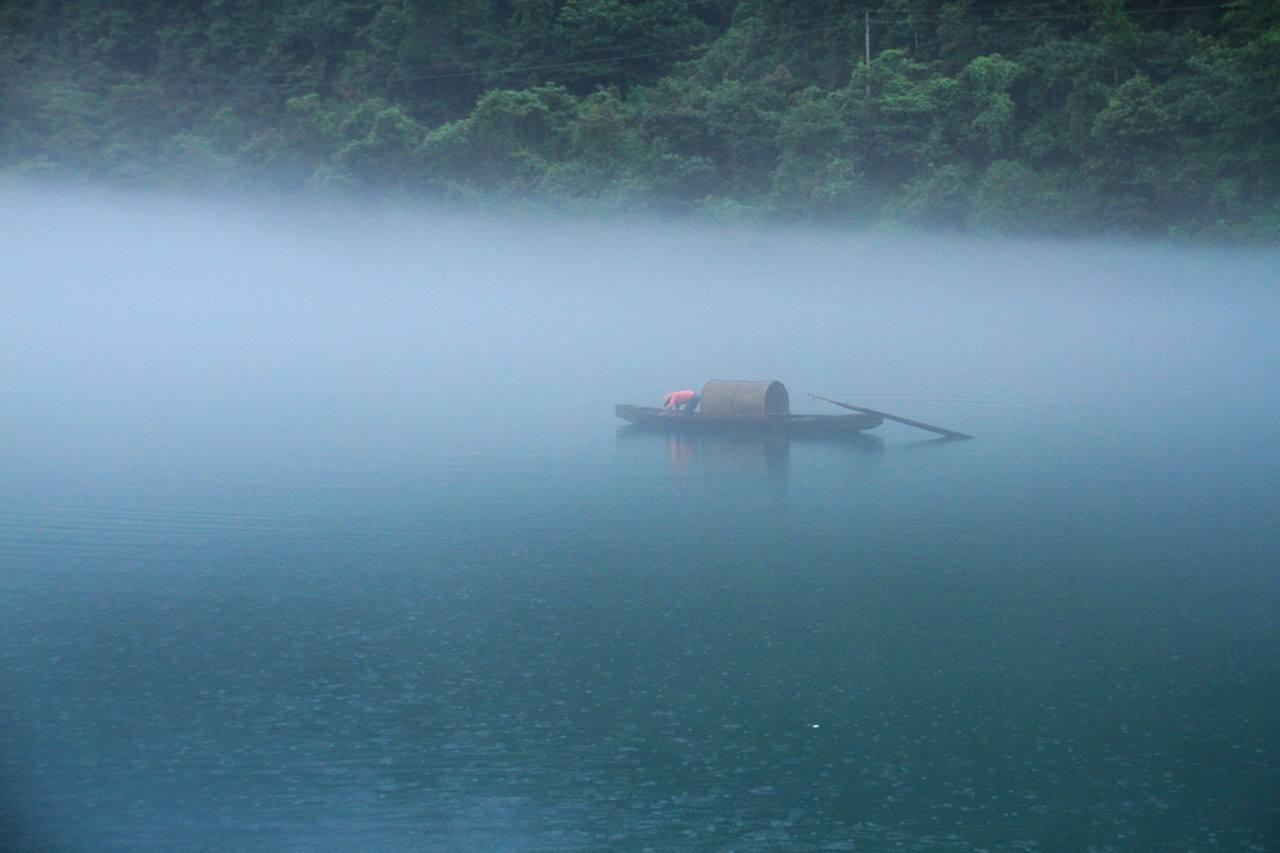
[662, 419]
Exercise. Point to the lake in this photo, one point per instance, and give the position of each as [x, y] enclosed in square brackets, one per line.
[317, 530]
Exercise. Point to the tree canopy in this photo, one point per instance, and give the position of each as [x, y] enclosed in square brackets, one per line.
[1051, 116]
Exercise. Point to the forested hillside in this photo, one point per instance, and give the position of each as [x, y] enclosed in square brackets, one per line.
[1055, 116]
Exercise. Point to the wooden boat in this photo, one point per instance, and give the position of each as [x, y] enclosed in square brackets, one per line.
[755, 406]
[655, 418]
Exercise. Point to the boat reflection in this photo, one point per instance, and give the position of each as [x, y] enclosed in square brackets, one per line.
[730, 455]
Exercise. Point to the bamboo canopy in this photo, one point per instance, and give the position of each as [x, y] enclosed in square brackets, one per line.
[725, 399]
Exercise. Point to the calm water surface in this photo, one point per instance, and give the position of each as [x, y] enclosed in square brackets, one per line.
[324, 534]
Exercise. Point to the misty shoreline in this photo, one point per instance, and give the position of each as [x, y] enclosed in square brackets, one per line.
[365, 214]
[1053, 117]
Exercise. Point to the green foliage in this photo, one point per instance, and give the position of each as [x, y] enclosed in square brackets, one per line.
[1128, 159]
[903, 118]
[641, 29]
[508, 141]
[986, 107]
[821, 167]
[1048, 115]
[937, 198]
[385, 154]
[1011, 198]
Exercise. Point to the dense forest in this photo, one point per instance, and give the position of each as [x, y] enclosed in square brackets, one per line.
[1054, 116]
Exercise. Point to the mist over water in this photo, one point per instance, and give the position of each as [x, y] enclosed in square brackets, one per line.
[317, 527]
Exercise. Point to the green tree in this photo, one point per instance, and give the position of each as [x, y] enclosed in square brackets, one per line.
[1128, 158]
[983, 110]
[900, 107]
[1060, 114]
[384, 146]
[1011, 198]
[509, 140]
[643, 36]
[820, 166]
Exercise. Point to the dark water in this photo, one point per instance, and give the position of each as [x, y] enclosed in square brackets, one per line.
[322, 534]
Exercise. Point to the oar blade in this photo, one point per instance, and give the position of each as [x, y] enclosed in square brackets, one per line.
[943, 431]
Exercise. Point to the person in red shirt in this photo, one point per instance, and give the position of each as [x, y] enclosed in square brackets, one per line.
[681, 402]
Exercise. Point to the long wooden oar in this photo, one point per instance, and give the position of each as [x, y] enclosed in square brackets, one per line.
[949, 433]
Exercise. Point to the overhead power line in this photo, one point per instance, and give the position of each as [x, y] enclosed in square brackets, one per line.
[1058, 16]
[846, 25]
